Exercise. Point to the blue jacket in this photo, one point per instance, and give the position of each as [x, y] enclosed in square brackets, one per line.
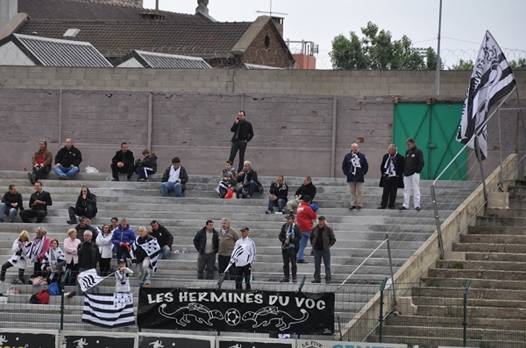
[355, 173]
[123, 235]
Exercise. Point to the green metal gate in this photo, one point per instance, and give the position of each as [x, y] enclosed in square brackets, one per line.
[434, 127]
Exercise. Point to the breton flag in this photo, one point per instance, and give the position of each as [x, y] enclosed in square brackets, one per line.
[151, 248]
[490, 84]
[108, 311]
[89, 279]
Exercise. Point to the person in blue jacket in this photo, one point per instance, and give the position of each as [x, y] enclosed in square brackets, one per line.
[123, 237]
[355, 167]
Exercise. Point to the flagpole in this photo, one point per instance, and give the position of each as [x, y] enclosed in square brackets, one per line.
[439, 60]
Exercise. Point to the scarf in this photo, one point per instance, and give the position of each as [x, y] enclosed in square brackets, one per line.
[389, 167]
[174, 174]
[355, 163]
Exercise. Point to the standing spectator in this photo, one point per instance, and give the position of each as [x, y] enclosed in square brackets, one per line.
[355, 167]
[227, 238]
[304, 217]
[86, 206]
[123, 237]
[123, 162]
[248, 183]
[114, 223]
[21, 252]
[243, 133]
[85, 225]
[38, 250]
[67, 161]
[206, 242]
[290, 240]
[41, 161]
[414, 163]
[392, 171]
[53, 262]
[11, 204]
[322, 239]
[104, 243]
[122, 278]
[306, 189]
[174, 179]
[88, 253]
[146, 166]
[142, 260]
[164, 238]
[244, 259]
[38, 204]
[278, 195]
[71, 247]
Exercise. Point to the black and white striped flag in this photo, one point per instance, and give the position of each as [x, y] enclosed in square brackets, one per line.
[108, 311]
[89, 279]
[151, 248]
[490, 84]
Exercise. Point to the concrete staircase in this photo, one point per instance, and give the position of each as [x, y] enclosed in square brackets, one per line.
[358, 233]
[492, 256]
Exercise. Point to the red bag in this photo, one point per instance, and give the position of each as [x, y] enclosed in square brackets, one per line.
[229, 193]
[41, 297]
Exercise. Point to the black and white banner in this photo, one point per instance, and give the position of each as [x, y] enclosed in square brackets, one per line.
[234, 342]
[27, 340]
[227, 310]
[344, 344]
[108, 311]
[490, 84]
[88, 341]
[175, 341]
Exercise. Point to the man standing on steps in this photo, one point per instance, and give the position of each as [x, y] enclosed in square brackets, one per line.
[206, 242]
[243, 133]
[244, 255]
[414, 163]
[392, 176]
[123, 162]
[304, 218]
[322, 239]
[290, 242]
[227, 239]
[355, 167]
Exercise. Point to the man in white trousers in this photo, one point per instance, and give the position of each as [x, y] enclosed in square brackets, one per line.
[414, 163]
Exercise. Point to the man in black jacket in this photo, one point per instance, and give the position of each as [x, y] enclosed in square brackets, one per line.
[85, 225]
[243, 133]
[392, 172]
[413, 165]
[88, 252]
[206, 242]
[322, 239]
[86, 206]
[11, 204]
[164, 238]
[278, 195]
[67, 160]
[306, 189]
[290, 242]
[248, 183]
[38, 203]
[174, 179]
[122, 162]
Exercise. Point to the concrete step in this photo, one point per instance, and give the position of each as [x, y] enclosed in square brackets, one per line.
[427, 341]
[508, 257]
[472, 302]
[490, 248]
[473, 312]
[500, 221]
[476, 283]
[477, 274]
[482, 265]
[493, 239]
[482, 323]
[509, 230]
[474, 293]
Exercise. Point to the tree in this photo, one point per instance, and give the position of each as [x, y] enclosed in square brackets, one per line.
[377, 50]
[463, 65]
[519, 64]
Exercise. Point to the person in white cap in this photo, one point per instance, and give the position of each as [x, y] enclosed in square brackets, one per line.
[243, 256]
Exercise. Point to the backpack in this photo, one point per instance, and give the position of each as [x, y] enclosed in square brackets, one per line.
[53, 289]
[41, 297]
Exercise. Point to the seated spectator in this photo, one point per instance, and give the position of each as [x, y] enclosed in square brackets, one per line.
[247, 182]
[86, 206]
[278, 194]
[122, 163]
[104, 243]
[20, 249]
[174, 179]
[228, 180]
[88, 253]
[146, 166]
[142, 260]
[53, 262]
[41, 161]
[85, 225]
[71, 246]
[67, 161]
[38, 204]
[114, 223]
[164, 238]
[11, 204]
[123, 237]
[306, 189]
[38, 250]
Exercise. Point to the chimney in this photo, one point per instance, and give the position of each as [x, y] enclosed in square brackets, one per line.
[8, 9]
[278, 22]
[202, 9]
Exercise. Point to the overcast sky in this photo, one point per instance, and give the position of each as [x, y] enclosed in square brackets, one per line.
[463, 26]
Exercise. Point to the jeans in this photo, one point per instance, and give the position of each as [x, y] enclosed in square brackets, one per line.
[6, 211]
[304, 240]
[168, 187]
[29, 214]
[63, 172]
[165, 252]
[240, 146]
[280, 203]
[318, 256]
[208, 262]
[289, 257]
[243, 273]
[412, 187]
[389, 192]
[144, 272]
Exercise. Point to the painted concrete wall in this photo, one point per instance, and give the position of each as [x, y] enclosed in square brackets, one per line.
[10, 54]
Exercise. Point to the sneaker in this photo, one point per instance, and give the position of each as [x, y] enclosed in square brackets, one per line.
[268, 212]
[284, 280]
[352, 208]
[316, 281]
[71, 222]
[417, 209]
[403, 208]
[70, 294]
[380, 207]
[294, 280]
[328, 281]
[301, 261]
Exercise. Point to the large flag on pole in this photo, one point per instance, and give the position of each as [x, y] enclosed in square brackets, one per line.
[108, 311]
[490, 84]
[88, 279]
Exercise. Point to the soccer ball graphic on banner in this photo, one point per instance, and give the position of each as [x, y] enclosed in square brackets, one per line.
[232, 317]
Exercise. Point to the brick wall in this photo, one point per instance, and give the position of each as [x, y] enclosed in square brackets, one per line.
[275, 54]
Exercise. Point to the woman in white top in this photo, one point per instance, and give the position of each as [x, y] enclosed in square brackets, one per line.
[54, 261]
[71, 246]
[105, 249]
[19, 258]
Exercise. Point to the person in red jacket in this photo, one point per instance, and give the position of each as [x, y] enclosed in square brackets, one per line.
[304, 219]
